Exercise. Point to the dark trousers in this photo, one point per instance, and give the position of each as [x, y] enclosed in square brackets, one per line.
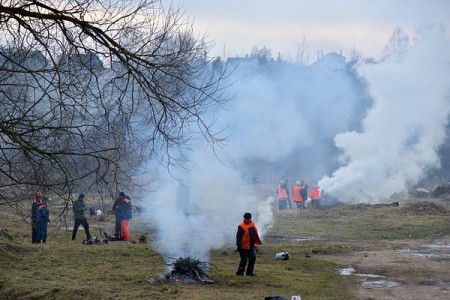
[117, 227]
[315, 203]
[300, 205]
[42, 234]
[34, 231]
[282, 204]
[247, 256]
[85, 225]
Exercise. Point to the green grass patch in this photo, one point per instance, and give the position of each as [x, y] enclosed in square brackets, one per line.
[62, 269]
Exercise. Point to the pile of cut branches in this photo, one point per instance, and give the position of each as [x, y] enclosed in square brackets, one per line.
[189, 270]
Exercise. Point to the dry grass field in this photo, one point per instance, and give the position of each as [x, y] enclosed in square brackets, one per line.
[369, 239]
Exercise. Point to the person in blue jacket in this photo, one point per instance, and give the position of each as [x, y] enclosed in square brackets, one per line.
[123, 211]
[42, 217]
[34, 223]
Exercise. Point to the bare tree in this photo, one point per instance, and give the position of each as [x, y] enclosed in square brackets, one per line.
[398, 45]
[355, 55]
[302, 56]
[263, 55]
[90, 90]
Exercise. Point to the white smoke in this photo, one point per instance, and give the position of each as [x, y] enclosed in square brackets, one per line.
[219, 199]
[282, 121]
[404, 129]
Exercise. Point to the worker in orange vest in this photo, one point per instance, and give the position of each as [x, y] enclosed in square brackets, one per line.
[315, 196]
[283, 195]
[297, 195]
[246, 239]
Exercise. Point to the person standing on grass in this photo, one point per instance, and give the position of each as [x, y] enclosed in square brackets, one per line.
[297, 196]
[122, 209]
[246, 239]
[115, 209]
[43, 218]
[304, 193]
[282, 195]
[315, 196]
[80, 219]
[34, 222]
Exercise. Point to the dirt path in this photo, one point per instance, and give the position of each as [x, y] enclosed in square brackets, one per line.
[398, 270]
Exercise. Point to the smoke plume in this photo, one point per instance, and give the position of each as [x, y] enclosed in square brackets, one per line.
[403, 130]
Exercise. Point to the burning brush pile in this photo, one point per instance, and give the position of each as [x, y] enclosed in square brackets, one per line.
[190, 271]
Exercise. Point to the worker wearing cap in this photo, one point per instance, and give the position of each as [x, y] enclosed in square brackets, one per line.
[80, 219]
[34, 223]
[246, 239]
[43, 218]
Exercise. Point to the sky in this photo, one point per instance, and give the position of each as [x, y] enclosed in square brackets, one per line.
[236, 26]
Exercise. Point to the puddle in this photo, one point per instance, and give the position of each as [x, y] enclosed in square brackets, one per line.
[346, 271]
[438, 246]
[350, 271]
[369, 275]
[426, 255]
[435, 247]
[380, 284]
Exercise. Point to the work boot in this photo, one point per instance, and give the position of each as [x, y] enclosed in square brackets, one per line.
[240, 272]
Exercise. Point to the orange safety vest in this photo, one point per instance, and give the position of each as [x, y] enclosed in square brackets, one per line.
[296, 196]
[315, 193]
[282, 193]
[245, 240]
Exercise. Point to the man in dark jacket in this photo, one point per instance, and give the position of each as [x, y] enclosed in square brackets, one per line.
[34, 222]
[246, 239]
[122, 209]
[303, 192]
[80, 219]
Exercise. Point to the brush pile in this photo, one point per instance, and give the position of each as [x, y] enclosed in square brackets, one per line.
[189, 270]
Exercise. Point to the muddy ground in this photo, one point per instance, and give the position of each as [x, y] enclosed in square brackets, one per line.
[399, 270]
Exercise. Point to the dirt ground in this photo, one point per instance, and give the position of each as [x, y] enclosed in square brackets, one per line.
[398, 270]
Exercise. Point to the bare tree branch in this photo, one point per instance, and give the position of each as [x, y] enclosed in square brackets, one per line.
[91, 90]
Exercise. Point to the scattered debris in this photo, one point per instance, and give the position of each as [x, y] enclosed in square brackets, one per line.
[393, 204]
[425, 208]
[142, 239]
[420, 193]
[441, 190]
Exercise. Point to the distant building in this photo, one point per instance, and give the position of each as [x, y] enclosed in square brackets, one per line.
[233, 62]
[23, 60]
[88, 61]
[331, 61]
